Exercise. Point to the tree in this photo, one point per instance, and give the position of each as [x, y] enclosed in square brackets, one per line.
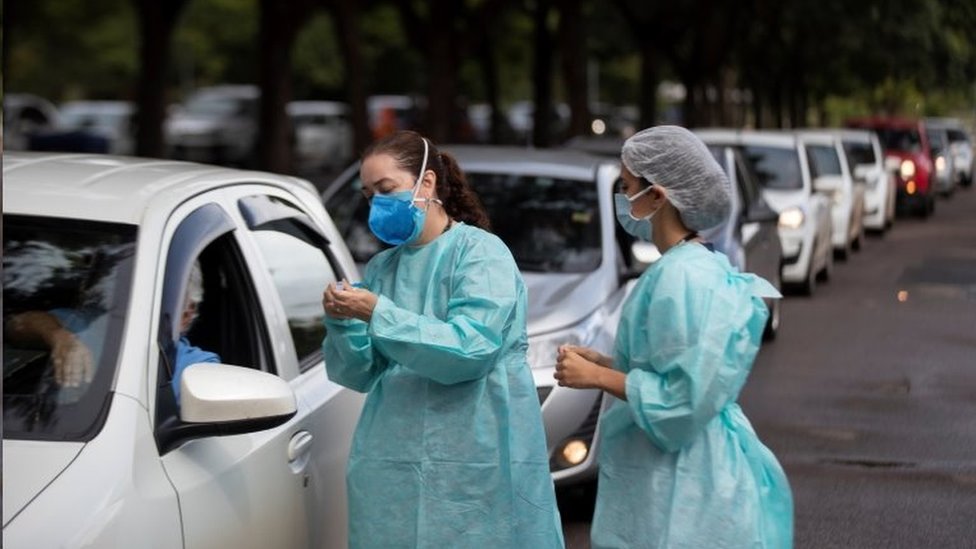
[572, 51]
[156, 21]
[346, 14]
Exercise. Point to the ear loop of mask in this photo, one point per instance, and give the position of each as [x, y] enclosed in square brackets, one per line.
[420, 178]
[639, 194]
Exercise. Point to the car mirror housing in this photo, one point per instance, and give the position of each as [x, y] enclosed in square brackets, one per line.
[828, 183]
[220, 393]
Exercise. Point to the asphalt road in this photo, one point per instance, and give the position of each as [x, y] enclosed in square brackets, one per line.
[868, 395]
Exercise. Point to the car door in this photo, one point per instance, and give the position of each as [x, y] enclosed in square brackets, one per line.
[759, 231]
[300, 261]
[235, 490]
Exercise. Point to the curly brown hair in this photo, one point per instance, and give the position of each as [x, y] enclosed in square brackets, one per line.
[460, 200]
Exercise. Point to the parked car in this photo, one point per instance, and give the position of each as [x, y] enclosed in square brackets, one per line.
[554, 210]
[805, 225]
[832, 175]
[942, 159]
[390, 113]
[24, 115]
[750, 238]
[217, 124]
[907, 143]
[960, 148]
[866, 161]
[112, 120]
[254, 454]
[323, 135]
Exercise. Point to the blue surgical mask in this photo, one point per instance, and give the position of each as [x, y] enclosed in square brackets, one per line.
[639, 227]
[394, 217]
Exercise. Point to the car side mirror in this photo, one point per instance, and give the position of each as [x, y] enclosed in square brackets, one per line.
[760, 212]
[828, 183]
[224, 394]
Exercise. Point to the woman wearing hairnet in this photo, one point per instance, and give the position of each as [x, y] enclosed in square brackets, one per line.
[450, 447]
[680, 465]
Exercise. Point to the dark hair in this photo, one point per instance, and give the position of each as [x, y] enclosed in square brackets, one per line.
[460, 201]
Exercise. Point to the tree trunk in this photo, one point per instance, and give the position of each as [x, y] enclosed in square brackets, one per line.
[277, 34]
[542, 76]
[649, 81]
[489, 72]
[572, 50]
[346, 14]
[441, 86]
[156, 23]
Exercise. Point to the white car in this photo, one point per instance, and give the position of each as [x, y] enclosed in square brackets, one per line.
[805, 224]
[217, 124]
[960, 148]
[866, 160]
[255, 454]
[24, 115]
[832, 176]
[113, 120]
[323, 134]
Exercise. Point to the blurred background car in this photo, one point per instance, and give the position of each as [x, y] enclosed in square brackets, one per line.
[25, 114]
[554, 210]
[907, 143]
[866, 161]
[804, 221]
[216, 124]
[323, 135]
[959, 150]
[116, 460]
[390, 113]
[832, 176]
[113, 120]
[942, 158]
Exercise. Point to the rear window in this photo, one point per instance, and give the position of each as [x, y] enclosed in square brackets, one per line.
[900, 139]
[776, 168]
[823, 160]
[65, 295]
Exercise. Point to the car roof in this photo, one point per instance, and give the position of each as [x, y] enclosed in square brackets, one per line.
[111, 188]
[883, 122]
[317, 107]
[106, 105]
[557, 162]
[766, 137]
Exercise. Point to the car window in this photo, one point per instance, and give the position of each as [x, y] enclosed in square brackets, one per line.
[549, 224]
[747, 181]
[937, 141]
[66, 287]
[957, 136]
[301, 267]
[859, 153]
[823, 160]
[775, 168]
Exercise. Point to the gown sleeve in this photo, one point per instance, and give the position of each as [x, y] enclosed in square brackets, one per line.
[350, 359]
[464, 346]
[701, 341]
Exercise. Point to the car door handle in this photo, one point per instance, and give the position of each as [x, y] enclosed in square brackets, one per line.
[299, 446]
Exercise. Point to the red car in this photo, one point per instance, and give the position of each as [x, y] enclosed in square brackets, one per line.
[907, 142]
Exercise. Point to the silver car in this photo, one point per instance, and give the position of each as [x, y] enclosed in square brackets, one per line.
[554, 209]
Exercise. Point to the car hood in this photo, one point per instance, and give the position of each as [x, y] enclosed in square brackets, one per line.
[558, 300]
[28, 467]
[781, 200]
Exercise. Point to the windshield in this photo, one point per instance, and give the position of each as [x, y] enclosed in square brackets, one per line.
[551, 225]
[211, 106]
[65, 294]
[898, 139]
[90, 119]
[776, 168]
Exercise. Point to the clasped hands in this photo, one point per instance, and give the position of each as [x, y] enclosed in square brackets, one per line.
[580, 367]
[348, 302]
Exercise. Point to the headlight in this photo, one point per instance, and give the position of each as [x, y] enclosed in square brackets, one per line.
[907, 169]
[791, 218]
[940, 163]
[598, 126]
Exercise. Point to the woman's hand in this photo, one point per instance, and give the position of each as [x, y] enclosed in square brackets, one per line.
[349, 302]
[573, 370]
[587, 353]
